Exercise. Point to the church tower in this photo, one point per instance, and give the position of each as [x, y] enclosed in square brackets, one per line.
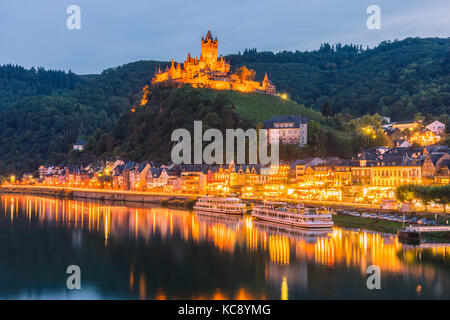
[209, 49]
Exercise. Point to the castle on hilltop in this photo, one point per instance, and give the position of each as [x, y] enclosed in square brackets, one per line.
[212, 72]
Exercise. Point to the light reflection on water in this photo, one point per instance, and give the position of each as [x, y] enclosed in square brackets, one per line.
[135, 251]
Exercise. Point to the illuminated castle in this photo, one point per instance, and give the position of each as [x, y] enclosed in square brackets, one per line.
[212, 72]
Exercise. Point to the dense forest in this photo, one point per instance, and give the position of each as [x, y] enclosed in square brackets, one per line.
[146, 133]
[17, 82]
[396, 79]
[43, 112]
[40, 128]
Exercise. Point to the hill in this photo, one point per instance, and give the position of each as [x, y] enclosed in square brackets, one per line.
[258, 107]
[17, 82]
[43, 112]
[396, 79]
[146, 133]
[41, 125]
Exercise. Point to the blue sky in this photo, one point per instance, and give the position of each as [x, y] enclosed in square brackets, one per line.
[34, 32]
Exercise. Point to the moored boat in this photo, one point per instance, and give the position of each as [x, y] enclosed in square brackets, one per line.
[229, 205]
[297, 216]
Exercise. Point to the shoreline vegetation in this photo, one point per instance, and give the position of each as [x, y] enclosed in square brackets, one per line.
[384, 226]
[177, 203]
[187, 202]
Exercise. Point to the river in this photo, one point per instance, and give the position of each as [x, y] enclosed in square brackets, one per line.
[137, 251]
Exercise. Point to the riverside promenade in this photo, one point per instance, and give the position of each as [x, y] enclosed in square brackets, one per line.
[93, 194]
[156, 198]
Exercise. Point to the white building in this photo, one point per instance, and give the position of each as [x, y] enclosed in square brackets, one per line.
[436, 127]
[79, 145]
[287, 130]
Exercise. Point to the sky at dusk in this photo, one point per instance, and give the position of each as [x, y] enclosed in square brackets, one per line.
[34, 32]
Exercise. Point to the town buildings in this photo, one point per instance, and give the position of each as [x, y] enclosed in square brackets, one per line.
[408, 133]
[370, 177]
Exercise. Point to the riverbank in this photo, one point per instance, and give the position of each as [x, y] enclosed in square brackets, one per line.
[367, 223]
[384, 226]
[91, 194]
[50, 192]
[178, 203]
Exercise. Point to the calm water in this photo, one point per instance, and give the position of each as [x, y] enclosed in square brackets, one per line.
[144, 252]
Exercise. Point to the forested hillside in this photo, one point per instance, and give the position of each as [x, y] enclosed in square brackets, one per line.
[42, 113]
[146, 133]
[396, 79]
[39, 128]
[17, 82]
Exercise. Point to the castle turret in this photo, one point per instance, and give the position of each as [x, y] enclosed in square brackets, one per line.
[208, 36]
[267, 86]
[209, 49]
[172, 71]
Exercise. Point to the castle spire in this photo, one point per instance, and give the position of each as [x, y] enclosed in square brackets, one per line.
[209, 36]
[266, 78]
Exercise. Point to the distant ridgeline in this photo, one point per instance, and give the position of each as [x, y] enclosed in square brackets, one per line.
[17, 82]
[396, 79]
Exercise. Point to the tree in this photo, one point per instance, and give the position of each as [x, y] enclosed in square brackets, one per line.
[419, 117]
[326, 109]
[426, 194]
[405, 193]
[441, 195]
[245, 74]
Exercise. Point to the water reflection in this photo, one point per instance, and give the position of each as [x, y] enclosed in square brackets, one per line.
[144, 252]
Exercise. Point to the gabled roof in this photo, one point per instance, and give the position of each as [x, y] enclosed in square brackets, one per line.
[195, 168]
[435, 156]
[80, 142]
[445, 164]
[367, 156]
[437, 122]
[156, 172]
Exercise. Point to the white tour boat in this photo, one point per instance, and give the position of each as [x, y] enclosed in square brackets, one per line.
[297, 216]
[230, 205]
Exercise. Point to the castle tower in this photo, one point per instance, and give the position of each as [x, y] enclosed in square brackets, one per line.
[209, 49]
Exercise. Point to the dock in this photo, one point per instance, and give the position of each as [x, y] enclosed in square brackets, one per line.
[428, 229]
[412, 235]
